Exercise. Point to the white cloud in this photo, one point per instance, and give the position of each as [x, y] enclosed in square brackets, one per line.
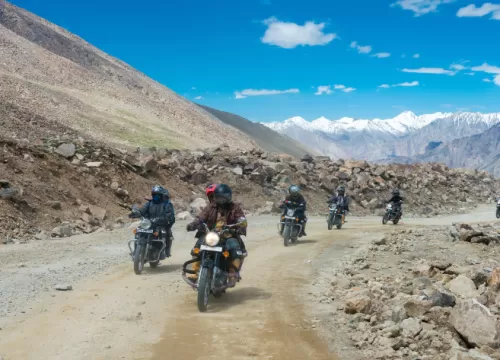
[264, 92]
[361, 49]
[490, 69]
[381, 55]
[324, 90]
[497, 80]
[421, 7]
[344, 88]
[290, 35]
[403, 84]
[458, 67]
[193, 88]
[199, 98]
[438, 71]
[473, 11]
[487, 80]
[416, 56]
[470, 73]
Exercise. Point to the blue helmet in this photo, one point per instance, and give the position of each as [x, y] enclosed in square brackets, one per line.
[293, 189]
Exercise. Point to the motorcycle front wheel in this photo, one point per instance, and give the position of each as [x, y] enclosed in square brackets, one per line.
[330, 223]
[287, 234]
[204, 289]
[139, 259]
[498, 214]
[385, 219]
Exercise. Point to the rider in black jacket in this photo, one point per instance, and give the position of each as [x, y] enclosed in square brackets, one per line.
[161, 210]
[340, 200]
[295, 196]
[396, 200]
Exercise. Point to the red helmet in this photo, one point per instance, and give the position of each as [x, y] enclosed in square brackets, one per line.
[210, 190]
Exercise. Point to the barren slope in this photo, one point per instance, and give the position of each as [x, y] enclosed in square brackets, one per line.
[46, 71]
[268, 139]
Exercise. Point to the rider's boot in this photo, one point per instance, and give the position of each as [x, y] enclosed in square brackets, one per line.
[196, 267]
[236, 264]
[303, 232]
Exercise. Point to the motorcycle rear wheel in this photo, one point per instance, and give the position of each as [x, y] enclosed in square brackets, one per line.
[204, 289]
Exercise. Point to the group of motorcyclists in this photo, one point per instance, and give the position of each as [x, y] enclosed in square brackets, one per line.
[222, 211]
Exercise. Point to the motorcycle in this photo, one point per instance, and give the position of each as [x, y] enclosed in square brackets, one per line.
[214, 276]
[291, 223]
[335, 217]
[149, 243]
[498, 208]
[391, 215]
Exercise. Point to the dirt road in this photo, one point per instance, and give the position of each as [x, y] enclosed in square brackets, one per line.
[111, 313]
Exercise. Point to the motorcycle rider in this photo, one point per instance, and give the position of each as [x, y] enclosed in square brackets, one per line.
[209, 191]
[220, 212]
[396, 200]
[341, 200]
[295, 196]
[161, 210]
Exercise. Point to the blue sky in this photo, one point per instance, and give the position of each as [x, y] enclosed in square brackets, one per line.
[270, 59]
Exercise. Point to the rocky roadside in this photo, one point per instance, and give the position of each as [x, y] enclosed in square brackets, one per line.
[60, 186]
[415, 293]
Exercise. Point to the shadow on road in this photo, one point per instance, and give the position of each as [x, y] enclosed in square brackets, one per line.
[306, 241]
[237, 297]
[163, 268]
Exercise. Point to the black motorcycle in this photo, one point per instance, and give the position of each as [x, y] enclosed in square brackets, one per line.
[149, 243]
[392, 214]
[335, 217]
[214, 276]
[290, 222]
[498, 208]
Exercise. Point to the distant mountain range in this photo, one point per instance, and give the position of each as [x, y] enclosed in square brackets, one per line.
[405, 138]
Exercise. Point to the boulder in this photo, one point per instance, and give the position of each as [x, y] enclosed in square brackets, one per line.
[184, 215]
[442, 299]
[56, 205]
[197, 205]
[358, 303]
[97, 212]
[147, 163]
[494, 279]
[237, 171]
[66, 150]
[307, 158]
[475, 323]
[94, 164]
[417, 307]
[463, 286]
[199, 178]
[467, 235]
[411, 327]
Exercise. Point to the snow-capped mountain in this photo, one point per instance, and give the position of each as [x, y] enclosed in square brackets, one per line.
[406, 135]
[402, 124]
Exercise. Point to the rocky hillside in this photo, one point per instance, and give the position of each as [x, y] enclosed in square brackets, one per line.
[481, 151]
[49, 73]
[77, 185]
[267, 139]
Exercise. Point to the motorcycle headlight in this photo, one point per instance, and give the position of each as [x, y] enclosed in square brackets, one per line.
[212, 239]
[389, 206]
[290, 212]
[145, 224]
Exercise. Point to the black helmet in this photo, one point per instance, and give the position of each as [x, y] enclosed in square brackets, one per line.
[158, 192]
[223, 194]
[293, 189]
[341, 190]
[395, 192]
